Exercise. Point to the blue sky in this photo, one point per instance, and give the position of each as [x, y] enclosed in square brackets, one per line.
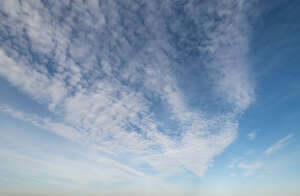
[149, 98]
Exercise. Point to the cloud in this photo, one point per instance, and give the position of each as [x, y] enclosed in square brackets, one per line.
[108, 74]
[279, 144]
[252, 135]
[60, 169]
[233, 175]
[250, 168]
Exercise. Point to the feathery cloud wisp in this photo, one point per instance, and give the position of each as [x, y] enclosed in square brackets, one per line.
[250, 168]
[279, 144]
[252, 135]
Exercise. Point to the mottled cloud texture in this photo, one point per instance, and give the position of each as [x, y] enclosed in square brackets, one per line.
[119, 76]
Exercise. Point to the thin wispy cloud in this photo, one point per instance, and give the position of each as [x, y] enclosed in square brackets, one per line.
[107, 75]
[279, 144]
[250, 168]
[252, 136]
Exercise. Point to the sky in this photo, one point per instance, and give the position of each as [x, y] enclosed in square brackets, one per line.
[160, 98]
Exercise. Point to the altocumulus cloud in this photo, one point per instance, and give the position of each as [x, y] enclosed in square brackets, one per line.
[109, 71]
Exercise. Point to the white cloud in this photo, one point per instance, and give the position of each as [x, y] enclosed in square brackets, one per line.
[279, 144]
[252, 135]
[233, 175]
[31, 81]
[231, 76]
[260, 176]
[103, 87]
[121, 167]
[250, 168]
[45, 123]
[250, 152]
[45, 168]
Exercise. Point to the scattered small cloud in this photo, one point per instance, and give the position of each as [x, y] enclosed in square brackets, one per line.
[260, 176]
[252, 136]
[233, 175]
[279, 144]
[250, 152]
[250, 168]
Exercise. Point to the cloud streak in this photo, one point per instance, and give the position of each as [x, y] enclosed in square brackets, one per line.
[279, 144]
[252, 136]
[250, 168]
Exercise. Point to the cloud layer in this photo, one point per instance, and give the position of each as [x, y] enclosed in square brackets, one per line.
[116, 75]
